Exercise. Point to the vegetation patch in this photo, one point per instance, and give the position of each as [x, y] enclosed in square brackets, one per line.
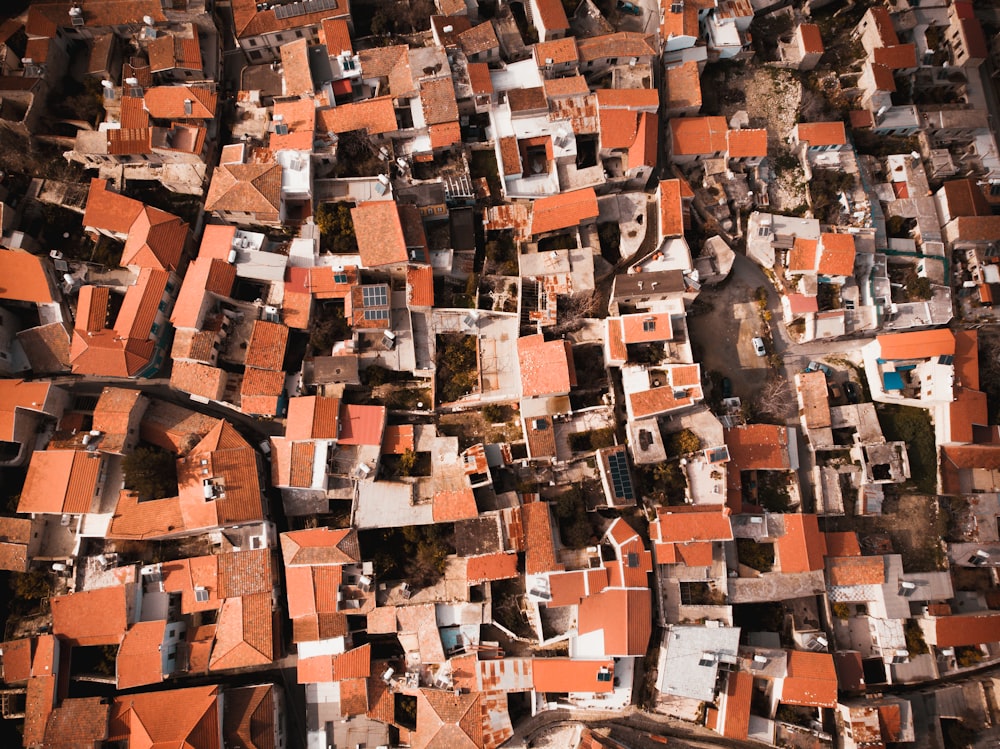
[417, 554]
[595, 439]
[457, 366]
[151, 473]
[336, 228]
[913, 426]
[575, 529]
[759, 556]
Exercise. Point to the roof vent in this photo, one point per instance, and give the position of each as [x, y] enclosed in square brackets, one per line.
[188, 107]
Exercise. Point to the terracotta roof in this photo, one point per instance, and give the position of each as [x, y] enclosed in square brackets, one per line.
[967, 358]
[312, 417]
[539, 432]
[747, 143]
[141, 304]
[174, 717]
[14, 536]
[60, 481]
[697, 136]
[842, 544]
[803, 547]
[538, 541]
[17, 655]
[252, 19]
[18, 395]
[883, 24]
[266, 349]
[391, 63]
[802, 258]
[181, 103]
[479, 78]
[445, 134]
[295, 68]
[92, 308]
[976, 228]
[546, 366]
[621, 44]
[758, 447]
[44, 18]
[811, 680]
[379, 233]
[205, 275]
[619, 127]
[682, 86]
[671, 208]
[420, 286]
[199, 379]
[921, 344]
[246, 188]
[139, 661]
[320, 546]
[244, 635]
[25, 279]
[47, 347]
[499, 566]
[510, 155]
[897, 56]
[563, 211]
[560, 675]
[574, 85]
[624, 616]
[362, 425]
[352, 664]
[323, 283]
[643, 328]
[822, 133]
[337, 35]
[961, 630]
[964, 197]
[78, 723]
[92, 617]
[836, 254]
[478, 39]
[376, 116]
[673, 525]
[169, 51]
[249, 715]
[845, 571]
[739, 691]
[300, 117]
[448, 721]
[812, 42]
[884, 81]
[556, 51]
[174, 428]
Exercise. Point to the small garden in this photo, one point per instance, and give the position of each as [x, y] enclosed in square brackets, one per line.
[912, 426]
[457, 366]
[416, 554]
[150, 472]
[336, 228]
[575, 528]
[665, 483]
[592, 440]
[758, 556]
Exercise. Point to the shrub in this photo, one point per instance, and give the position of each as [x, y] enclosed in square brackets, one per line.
[492, 413]
[759, 556]
[915, 643]
[336, 228]
[683, 442]
[841, 610]
[31, 586]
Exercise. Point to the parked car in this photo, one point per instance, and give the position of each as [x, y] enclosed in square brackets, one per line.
[626, 7]
[852, 392]
[758, 346]
[815, 365]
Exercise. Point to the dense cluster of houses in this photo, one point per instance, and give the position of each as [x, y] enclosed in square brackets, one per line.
[488, 220]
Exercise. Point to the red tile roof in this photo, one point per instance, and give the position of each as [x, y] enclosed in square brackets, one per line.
[420, 286]
[842, 544]
[624, 616]
[921, 344]
[747, 143]
[337, 36]
[479, 78]
[671, 208]
[448, 721]
[897, 56]
[811, 680]
[199, 379]
[141, 304]
[174, 717]
[761, 447]
[836, 254]
[246, 188]
[846, 571]
[961, 630]
[92, 617]
[313, 417]
[803, 547]
[739, 691]
[682, 86]
[698, 136]
[563, 211]
[561, 675]
[967, 358]
[244, 635]
[266, 349]
[25, 279]
[362, 425]
[60, 481]
[398, 438]
[139, 661]
[376, 116]
[539, 545]
[812, 42]
[499, 566]
[546, 366]
[822, 133]
[172, 103]
[352, 664]
[379, 233]
[109, 211]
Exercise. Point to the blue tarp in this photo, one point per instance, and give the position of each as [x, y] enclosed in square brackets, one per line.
[892, 381]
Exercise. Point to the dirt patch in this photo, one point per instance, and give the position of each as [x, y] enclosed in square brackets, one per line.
[471, 428]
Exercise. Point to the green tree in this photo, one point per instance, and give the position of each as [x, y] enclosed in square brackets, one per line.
[683, 442]
[31, 586]
[328, 330]
[336, 228]
[407, 462]
[151, 473]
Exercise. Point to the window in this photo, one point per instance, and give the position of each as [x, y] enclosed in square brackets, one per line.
[255, 55]
[170, 287]
[279, 38]
[648, 326]
[298, 33]
[340, 278]
[162, 306]
[252, 42]
[155, 329]
[763, 231]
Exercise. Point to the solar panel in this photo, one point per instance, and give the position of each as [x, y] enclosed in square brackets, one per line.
[303, 8]
[375, 296]
[620, 479]
[376, 314]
